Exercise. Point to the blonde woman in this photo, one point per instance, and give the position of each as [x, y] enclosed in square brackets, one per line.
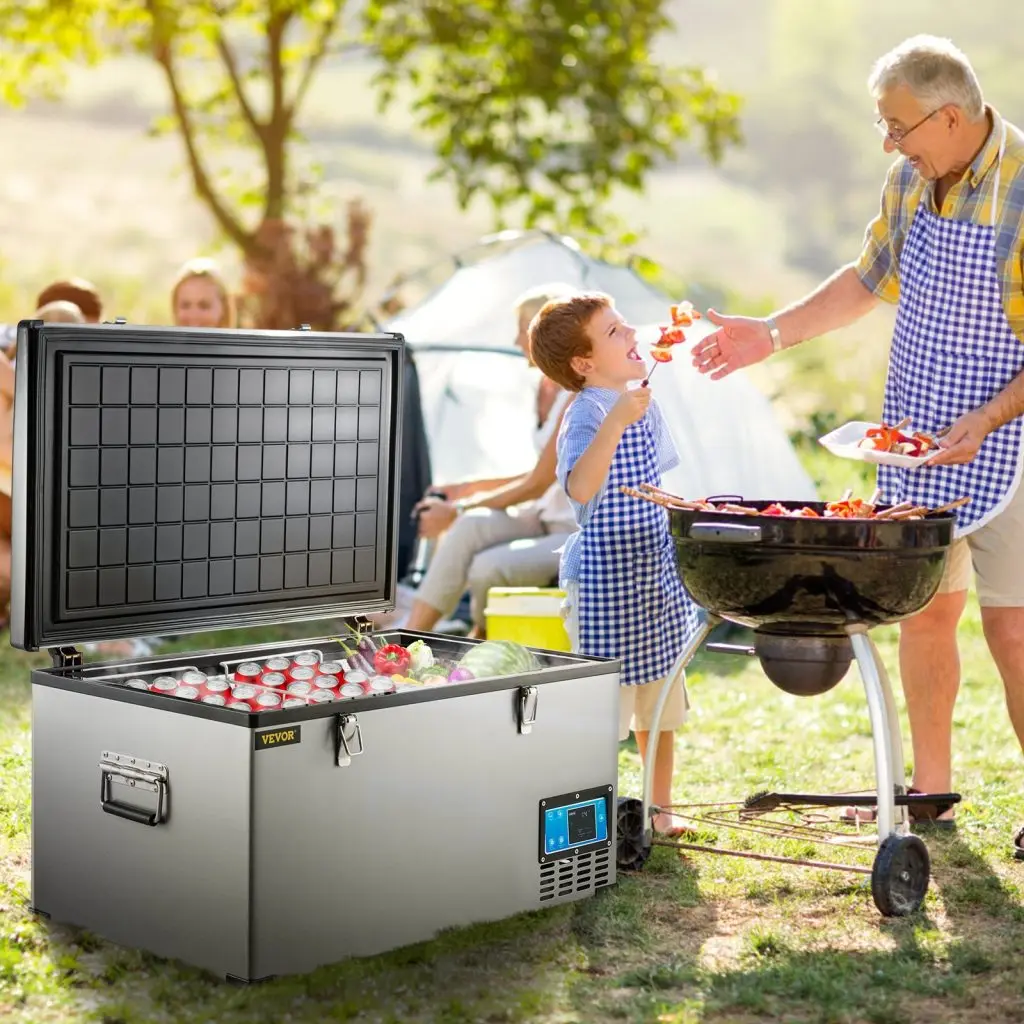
[200, 296]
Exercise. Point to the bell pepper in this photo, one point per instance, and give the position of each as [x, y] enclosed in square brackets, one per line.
[392, 660]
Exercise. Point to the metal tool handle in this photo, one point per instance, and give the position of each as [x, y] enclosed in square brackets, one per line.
[726, 533]
[138, 814]
[347, 744]
[744, 649]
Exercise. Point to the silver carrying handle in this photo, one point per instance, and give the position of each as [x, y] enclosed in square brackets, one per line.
[129, 772]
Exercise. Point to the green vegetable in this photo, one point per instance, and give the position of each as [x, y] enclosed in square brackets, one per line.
[421, 656]
[499, 658]
[432, 671]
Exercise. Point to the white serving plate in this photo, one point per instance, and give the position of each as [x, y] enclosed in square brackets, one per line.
[843, 442]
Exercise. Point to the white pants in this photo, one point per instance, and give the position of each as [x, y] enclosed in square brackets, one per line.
[486, 548]
[637, 704]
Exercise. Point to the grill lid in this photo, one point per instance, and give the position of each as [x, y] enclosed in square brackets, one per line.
[171, 480]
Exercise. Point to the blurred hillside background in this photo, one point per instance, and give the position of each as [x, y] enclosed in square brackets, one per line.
[86, 188]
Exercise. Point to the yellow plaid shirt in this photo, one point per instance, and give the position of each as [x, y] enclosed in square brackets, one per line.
[969, 199]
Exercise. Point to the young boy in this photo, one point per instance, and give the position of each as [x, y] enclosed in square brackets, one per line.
[624, 596]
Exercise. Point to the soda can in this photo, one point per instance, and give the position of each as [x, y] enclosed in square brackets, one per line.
[187, 692]
[248, 672]
[322, 696]
[331, 668]
[217, 700]
[243, 691]
[239, 705]
[268, 701]
[307, 659]
[301, 674]
[218, 684]
[382, 684]
[300, 688]
[137, 684]
[193, 677]
[360, 678]
[350, 690]
[275, 680]
[276, 665]
[293, 702]
[325, 682]
[164, 684]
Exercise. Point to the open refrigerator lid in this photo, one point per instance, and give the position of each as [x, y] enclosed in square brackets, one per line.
[174, 480]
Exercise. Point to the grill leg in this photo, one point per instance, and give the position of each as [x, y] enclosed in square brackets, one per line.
[684, 659]
[885, 734]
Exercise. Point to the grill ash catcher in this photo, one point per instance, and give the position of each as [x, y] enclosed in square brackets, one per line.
[811, 589]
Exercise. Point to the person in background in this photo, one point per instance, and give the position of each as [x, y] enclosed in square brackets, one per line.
[60, 311]
[77, 291]
[498, 532]
[200, 296]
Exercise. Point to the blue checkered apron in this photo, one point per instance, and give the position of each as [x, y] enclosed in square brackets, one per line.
[632, 604]
[953, 350]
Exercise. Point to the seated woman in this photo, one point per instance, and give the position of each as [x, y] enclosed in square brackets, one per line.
[501, 532]
[200, 296]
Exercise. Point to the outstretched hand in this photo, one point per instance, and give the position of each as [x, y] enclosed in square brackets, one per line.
[739, 341]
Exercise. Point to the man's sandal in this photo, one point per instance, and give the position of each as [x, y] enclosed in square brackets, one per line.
[919, 813]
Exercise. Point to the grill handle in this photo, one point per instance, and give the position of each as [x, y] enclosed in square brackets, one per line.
[725, 533]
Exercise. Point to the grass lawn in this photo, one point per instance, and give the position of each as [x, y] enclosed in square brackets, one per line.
[701, 938]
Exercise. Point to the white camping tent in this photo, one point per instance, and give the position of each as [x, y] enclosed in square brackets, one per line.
[478, 392]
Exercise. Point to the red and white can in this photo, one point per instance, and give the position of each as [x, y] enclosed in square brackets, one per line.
[359, 678]
[193, 677]
[268, 701]
[325, 682]
[300, 688]
[293, 702]
[248, 672]
[306, 659]
[137, 684]
[349, 690]
[239, 705]
[220, 685]
[164, 684]
[275, 680]
[187, 692]
[217, 700]
[381, 684]
[301, 674]
[244, 692]
[332, 668]
[322, 696]
[276, 665]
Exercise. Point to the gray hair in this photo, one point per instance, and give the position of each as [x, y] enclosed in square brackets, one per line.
[534, 299]
[934, 70]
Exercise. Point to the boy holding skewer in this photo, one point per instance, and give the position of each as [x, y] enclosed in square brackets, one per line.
[624, 596]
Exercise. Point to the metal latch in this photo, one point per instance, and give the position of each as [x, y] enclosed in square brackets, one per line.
[135, 773]
[349, 740]
[528, 699]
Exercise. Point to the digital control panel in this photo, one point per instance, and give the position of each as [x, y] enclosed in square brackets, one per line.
[574, 822]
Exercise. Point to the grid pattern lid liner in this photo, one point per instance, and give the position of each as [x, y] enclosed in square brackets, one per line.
[177, 480]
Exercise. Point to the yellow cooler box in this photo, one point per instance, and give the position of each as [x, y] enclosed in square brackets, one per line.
[528, 615]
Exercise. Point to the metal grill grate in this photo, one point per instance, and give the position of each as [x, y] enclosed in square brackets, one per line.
[565, 878]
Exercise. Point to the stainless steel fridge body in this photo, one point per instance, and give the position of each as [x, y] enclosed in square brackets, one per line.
[174, 481]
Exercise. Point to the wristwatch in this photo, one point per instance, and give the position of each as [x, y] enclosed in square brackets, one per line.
[773, 330]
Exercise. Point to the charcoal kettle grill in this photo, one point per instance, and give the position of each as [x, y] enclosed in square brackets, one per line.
[811, 589]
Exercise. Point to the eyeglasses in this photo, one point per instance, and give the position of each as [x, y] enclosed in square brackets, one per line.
[897, 135]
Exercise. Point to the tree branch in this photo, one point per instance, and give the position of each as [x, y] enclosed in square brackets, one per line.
[164, 56]
[278, 125]
[228, 59]
[316, 56]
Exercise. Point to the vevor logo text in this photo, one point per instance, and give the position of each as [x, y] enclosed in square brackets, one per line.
[278, 737]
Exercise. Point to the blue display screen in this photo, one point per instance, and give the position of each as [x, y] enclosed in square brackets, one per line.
[574, 825]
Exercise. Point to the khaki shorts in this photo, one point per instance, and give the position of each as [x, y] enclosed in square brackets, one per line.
[636, 703]
[996, 553]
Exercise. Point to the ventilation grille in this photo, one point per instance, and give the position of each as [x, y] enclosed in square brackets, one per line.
[574, 875]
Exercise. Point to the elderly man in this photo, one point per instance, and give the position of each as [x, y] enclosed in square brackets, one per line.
[948, 247]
